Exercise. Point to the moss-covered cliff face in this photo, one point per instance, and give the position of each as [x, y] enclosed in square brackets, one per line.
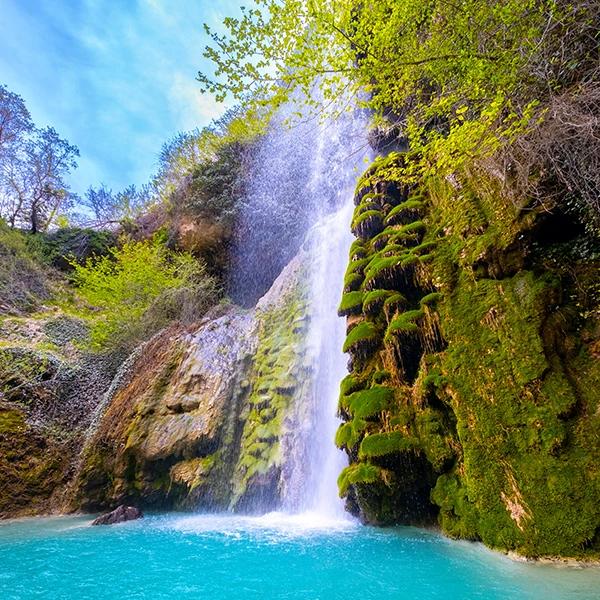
[48, 391]
[474, 336]
[196, 417]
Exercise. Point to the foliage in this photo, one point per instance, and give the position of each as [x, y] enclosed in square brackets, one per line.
[33, 166]
[138, 288]
[24, 283]
[110, 209]
[59, 248]
[503, 82]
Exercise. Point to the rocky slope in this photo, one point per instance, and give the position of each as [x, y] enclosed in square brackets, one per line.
[48, 391]
[474, 334]
[197, 417]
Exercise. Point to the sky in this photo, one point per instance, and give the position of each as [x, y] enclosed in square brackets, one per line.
[114, 77]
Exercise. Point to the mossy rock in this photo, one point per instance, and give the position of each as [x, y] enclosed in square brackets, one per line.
[386, 273]
[405, 323]
[367, 403]
[431, 299]
[362, 338]
[349, 434]
[360, 473]
[406, 212]
[368, 224]
[373, 301]
[381, 444]
[351, 304]
[357, 250]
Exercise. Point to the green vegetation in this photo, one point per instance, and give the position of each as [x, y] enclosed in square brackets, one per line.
[276, 379]
[24, 281]
[381, 444]
[492, 388]
[139, 288]
[360, 473]
[367, 403]
[362, 335]
[405, 323]
[496, 86]
[351, 303]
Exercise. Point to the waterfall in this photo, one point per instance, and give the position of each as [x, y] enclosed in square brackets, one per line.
[300, 196]
[330, 246]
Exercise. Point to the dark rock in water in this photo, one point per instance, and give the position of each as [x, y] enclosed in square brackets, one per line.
[119, 515]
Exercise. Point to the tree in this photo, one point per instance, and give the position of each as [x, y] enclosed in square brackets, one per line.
[15, 121]
[110, 209]
[33, 180]
[33, 166]
[463, 81]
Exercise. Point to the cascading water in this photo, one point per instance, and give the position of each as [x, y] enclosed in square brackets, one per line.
[300, 194]
[330, 244]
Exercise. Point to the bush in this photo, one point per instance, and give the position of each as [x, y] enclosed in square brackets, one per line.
[63, 246]
[139, 288]
[24, 283]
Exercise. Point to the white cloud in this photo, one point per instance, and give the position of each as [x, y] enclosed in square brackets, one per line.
[190, 107]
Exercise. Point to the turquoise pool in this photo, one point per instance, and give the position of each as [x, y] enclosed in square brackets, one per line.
[183, 556]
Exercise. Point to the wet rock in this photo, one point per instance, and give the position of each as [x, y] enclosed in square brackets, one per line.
[119, 515]
[200, 419]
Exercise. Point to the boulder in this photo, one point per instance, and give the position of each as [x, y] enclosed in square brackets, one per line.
[119, 515]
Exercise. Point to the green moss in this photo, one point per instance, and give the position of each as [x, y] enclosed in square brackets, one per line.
[351, 303]
[415, 226]
[431, 299]
[424, 248]
[276, 377]
[363, 207]
[363, 334]
[359, 473]
[352, 282]
[381, 376]
[379, 241]
[11, 422]
[381, 444]
[368, 223]
[404, 323]
[350, 433]
[383, 272]
[349, 384]
[357, 250]
[367, 403]
[373, 301]
[394, 302]
[405, 212]
[393, 250]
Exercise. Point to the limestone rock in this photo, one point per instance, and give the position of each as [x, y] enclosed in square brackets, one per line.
[121, 514]
[200, 414]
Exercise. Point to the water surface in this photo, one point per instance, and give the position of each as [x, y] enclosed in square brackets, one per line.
[302, 557]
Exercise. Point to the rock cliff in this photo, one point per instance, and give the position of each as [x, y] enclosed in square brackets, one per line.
[474, 335]
[197, 416]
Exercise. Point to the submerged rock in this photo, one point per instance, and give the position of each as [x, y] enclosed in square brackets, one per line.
[119, 515]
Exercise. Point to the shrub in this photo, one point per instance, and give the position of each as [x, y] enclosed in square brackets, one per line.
[24, 283]
[63, 246]
[139, 288]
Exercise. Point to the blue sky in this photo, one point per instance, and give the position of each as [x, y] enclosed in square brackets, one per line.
[114, 77]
